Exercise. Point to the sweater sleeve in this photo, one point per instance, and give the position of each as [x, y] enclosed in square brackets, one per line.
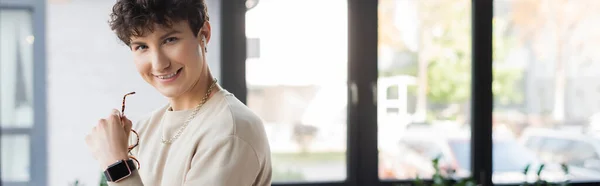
[230, 161]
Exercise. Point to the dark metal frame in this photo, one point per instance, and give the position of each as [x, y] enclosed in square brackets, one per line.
[38, 132]
[481, 91]
[362, 151]
[233, 47]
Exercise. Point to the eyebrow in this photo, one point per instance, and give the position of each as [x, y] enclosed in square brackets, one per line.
[161, 37]
[168, 34]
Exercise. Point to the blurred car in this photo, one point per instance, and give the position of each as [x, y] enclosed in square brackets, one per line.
[509, 160]
[419, 146]
[581, 152]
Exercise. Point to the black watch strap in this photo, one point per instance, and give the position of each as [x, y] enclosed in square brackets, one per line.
[119, 170]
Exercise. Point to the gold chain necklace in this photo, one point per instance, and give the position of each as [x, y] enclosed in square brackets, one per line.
[194, 113]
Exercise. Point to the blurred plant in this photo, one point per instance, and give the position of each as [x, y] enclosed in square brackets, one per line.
[447, 178]
[76, 183]
[103, 181]
[539, 181]
[444, 178]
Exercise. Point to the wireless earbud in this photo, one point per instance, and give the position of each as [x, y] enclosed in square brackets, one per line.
[204, 41]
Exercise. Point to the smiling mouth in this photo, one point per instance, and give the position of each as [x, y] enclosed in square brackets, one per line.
[168, 76]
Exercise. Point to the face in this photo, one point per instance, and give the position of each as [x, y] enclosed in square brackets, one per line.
[172, 60]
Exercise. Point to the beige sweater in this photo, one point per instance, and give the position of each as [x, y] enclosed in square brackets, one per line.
[224, 145]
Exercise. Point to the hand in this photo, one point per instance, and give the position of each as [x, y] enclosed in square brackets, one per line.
[108, 141]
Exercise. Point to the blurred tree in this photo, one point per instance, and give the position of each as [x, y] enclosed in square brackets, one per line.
[443, 64]
[389, 34]
[448, 54]
[507, 76]
[548, 27]
[445, 50]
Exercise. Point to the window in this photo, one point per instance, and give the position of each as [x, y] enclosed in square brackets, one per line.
[464, 79]
[545, 79]
[16, 94]
[15, 158]
[17, 69]
[22, 93]
[424, 54]
[296, 83]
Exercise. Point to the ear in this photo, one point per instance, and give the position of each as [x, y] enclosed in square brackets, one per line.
[204, 33]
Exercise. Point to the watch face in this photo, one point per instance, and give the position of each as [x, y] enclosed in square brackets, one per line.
[118, 171]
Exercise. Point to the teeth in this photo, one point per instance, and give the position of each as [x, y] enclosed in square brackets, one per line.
[168, 76]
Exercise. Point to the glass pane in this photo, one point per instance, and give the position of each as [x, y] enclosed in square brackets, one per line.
[546, 90]
[16, 68]
[15, 158]
[424, 88]
[297, 84]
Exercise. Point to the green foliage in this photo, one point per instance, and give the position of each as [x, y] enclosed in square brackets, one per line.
[505, 86]
[540, 182]
[76, 183]
[449, 81]
[103, 181]
[449, 71]
[446, 179]
[506, 78]
[448, 55]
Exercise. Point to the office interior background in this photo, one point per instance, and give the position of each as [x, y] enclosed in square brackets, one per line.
[351, 92]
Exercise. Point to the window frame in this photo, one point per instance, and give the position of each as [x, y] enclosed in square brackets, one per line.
[362, 152]
[38, 132]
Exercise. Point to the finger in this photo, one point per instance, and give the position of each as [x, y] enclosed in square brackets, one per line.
[116, 112]
[127, 124]
[115, 116]
[101, 124]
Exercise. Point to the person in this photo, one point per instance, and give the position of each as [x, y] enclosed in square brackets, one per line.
[204, 135]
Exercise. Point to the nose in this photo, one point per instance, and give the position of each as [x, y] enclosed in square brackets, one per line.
[160, 61]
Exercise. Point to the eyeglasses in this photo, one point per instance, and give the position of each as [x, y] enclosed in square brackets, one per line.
[131, 147]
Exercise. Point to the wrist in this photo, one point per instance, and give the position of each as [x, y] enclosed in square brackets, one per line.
[114, 158]
[119, 170]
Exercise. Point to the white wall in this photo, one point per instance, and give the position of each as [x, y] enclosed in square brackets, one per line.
[89, 71]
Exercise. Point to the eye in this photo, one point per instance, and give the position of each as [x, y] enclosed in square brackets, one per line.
[171, 39]
[140, 47]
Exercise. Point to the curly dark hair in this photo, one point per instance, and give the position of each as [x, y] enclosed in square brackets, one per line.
[138, 17]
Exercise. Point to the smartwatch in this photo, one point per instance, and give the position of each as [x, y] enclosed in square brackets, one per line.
[119, 170]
